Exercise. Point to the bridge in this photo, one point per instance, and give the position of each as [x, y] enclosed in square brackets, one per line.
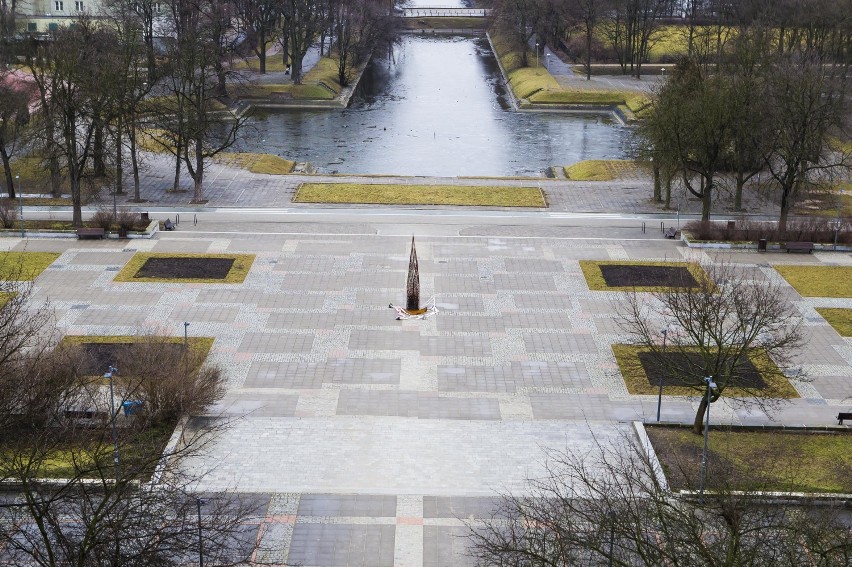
[438, 12]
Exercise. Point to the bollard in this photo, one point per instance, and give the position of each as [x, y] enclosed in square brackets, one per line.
[194, 220]
[177, 218]
[662, 226]
[643, 227]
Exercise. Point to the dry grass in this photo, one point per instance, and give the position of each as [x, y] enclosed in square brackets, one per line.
[389, 194]
[818, 281]
[840, 319]
[601, 170]
[595, 280]
[636, 380]
[24, 266]
[257, 163]
[237, 274]
[806, 461]
[320, 83]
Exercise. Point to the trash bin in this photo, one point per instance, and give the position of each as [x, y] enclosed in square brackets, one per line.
[144, 216]
[761, 245]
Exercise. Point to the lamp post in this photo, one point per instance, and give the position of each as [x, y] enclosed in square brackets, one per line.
[20, 202]
[185, 335]
[665, 332]
[663, 72]
[710, 385]
[536, 54]
[109, 375]
[198, 503]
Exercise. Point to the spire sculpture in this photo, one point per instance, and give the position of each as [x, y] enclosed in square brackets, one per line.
[412, 287]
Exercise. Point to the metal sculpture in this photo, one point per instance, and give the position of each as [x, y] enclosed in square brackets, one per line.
[412, 288]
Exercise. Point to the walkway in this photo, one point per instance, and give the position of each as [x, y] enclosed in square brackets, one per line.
[364, 439]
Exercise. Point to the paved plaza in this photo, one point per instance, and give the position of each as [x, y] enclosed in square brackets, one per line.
[367, 440]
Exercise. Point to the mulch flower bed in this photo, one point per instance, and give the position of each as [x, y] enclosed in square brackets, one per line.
[748, 375]
[186, 268]
[98, 357]
[627, 275]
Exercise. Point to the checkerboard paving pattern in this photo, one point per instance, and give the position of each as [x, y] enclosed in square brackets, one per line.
[370, 441]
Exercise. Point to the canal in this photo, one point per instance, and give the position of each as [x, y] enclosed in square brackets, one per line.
[434, 106]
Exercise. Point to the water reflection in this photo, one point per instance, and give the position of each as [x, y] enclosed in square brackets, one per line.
[434, 106]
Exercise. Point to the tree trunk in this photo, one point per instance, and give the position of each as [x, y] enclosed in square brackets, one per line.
[176, 184]
[698, 424]
[296, 71]
[119, 161]
[261, 53]
[738, 194]
[134, 161]
[668, 191]
[98, 149]
[76, 199]
[706, 200]
[198, 177]
[10, 184]
[657, 186]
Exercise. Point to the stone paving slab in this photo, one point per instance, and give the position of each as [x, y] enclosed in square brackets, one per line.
[343, 406]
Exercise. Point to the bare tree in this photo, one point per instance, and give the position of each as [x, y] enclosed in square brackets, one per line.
[302, 22]
[612, 507]
[717, 321]
[260, 18]
[359, 25]
[78, 72]
[689, 126]
[808, 102]
[15, 95]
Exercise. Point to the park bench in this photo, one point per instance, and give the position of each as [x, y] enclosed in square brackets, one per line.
[90, 233]
[843, 415]
[805, 247]
[670, 232]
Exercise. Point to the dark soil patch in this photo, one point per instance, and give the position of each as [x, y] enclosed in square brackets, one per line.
[747, 374]
[627, 275]
[177, 268]
[98, 357]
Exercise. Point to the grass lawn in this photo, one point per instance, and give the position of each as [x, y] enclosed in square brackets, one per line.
[257, 163]
[840, 319]
[636, 380]
[320, 83]
[87, 449]
[486, 196]
[818, 281]
[596, 282]
[25, 266]
[757, 460]
[600, 169]
[237, 274]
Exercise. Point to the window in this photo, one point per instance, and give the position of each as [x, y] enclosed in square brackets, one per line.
[32, 27]
[52, 26]
[58, 5]
[78, 5]
[157, 8]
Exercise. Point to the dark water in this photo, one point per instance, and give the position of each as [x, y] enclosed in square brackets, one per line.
[434, 106]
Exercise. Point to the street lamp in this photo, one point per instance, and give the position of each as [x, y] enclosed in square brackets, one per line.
[663, 72]
[711, 385]
[109, 374]
[665, 332]
[185, 335]
[199, 502]
[536, 54]
[20, 202]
